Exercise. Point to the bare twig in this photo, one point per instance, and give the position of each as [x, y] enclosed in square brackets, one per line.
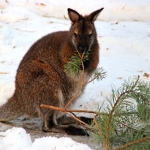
[66, 110]
[69, 113]
[80, 121]
[94, 78]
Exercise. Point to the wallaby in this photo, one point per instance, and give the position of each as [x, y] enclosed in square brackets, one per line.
[41, 78]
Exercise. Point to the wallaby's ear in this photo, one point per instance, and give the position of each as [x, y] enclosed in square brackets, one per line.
[73, 15]
[94, 15]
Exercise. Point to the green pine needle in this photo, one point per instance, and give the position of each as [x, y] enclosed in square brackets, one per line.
[99, 74]
[74, 66]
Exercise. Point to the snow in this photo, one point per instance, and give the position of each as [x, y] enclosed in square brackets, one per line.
[22, 141]
[58, 144]
[123, 29]
[19, 136]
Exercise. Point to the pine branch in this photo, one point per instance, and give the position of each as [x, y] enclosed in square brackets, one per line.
[113, 109]
[129, 116]
[82, 85]
[96, 123]
[74, 66]
[78, 60]
[133, 143]
[69, 112]
[99, 74]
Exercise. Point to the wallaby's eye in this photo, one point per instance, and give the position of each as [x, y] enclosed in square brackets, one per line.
[90, 35]
[76, 35]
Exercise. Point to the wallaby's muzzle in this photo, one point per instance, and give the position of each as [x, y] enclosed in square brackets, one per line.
[83, 48]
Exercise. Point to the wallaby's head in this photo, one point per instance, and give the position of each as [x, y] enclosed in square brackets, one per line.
[82, 32]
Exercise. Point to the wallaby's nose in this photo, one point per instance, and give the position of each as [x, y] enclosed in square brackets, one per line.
[82, 48]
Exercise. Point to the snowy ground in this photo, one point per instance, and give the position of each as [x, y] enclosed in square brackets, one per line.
[123, 30]
[22, 141]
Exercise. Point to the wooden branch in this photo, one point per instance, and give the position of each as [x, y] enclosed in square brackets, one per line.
[69, 113]
[75, 96]
[97, 125]
[66, 110]
[133, 143]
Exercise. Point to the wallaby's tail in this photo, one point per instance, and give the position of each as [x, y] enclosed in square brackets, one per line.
[10, 110]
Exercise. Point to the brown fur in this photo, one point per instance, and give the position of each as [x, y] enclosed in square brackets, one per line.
[41, 78]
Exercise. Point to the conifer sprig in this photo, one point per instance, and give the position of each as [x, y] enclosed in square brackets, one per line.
[99, 74]
[128, 118]
[75, 62]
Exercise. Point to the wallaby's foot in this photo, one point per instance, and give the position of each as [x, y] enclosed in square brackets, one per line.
[67, 125]
[77, 130]
[72, 130]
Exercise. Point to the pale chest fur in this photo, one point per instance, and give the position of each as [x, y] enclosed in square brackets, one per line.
[79, 83]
